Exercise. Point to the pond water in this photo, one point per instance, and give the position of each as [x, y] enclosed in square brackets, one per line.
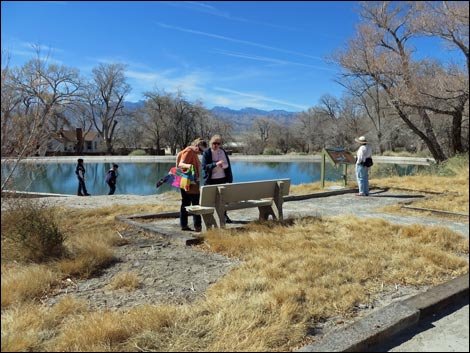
[140, 178]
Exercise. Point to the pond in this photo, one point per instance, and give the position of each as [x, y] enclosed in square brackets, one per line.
[140, 178]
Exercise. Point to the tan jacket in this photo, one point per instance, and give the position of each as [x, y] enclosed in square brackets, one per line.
[190, 156]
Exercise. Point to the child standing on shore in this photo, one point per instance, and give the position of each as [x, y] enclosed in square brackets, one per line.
[80, 171]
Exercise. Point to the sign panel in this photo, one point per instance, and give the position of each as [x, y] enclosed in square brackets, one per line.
[340, 156]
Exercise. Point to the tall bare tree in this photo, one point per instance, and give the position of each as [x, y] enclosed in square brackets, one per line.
[32, 97]
[105, 99]
[448, 20]
[155, 117]
[380, 54]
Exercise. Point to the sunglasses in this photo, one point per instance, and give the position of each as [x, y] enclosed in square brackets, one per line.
[216, 143]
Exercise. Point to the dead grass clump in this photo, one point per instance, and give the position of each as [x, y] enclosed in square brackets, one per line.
[22, 283]
[88, 255]
[125, 280]
[121, 331]
[31, 232]
[26, 328]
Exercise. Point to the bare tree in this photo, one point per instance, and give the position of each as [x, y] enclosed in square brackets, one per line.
[373, 103]
[105, 99]
[448, 20]
[379, 54]
[155, 117]
[32, 97]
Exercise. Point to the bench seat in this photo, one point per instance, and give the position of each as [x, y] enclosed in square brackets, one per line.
[217, 199]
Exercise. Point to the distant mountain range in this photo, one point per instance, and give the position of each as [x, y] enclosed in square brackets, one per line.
[242, 119]
[250, 111]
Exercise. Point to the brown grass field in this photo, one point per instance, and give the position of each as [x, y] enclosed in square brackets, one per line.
[292, 276]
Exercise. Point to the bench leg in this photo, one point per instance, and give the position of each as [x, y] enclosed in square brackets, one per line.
[209, 221]
[265, 212]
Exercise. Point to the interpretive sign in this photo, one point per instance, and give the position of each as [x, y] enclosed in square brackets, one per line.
[340, 156]
[337, 156]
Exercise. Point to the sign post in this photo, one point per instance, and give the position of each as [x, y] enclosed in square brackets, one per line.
[337, 156]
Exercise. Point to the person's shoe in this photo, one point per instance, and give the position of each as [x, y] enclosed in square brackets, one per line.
[228, 220]
[361, 194]
[186, 229]
[198, 229]
[80, 195]
[87, 194]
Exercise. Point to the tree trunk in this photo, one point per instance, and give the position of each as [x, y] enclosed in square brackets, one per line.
[429, 138]
[457, 146]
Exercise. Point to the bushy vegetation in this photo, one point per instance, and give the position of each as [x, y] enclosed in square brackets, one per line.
[272, 152]
[454, 166]
[138, 153]
[31, 232]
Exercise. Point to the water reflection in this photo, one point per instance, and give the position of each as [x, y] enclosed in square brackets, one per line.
[140, 178]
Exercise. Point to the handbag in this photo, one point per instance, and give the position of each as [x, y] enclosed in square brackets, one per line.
[368, 162]
[193, 188]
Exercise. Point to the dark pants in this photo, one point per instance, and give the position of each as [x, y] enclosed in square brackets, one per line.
[112, 188]
[81, 187]
[188, 200]
[217, 181]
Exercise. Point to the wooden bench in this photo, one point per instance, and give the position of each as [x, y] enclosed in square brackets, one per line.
[264, 194]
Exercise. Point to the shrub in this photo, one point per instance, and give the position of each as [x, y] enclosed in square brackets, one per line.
[456, 165]
[271, 152]
[138, 153]
[30, 232]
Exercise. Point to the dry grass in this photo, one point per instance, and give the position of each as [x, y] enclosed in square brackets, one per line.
[291, 277]
[453, 184]
[125, 280]
[311, 188]
[21, 283]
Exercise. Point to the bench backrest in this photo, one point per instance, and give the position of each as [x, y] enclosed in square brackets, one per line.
[235, 192]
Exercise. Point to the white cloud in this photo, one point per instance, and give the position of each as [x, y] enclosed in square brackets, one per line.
[235, 40]
[259, 98]
[212, 10]
[269, 60]
[199, 85]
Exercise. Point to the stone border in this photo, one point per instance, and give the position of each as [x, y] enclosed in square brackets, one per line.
[183, 238]
[235, 157]
[392, 319]
[173, 234]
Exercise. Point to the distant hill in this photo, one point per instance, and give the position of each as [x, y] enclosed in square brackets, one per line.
[133, 105]
[241, 119]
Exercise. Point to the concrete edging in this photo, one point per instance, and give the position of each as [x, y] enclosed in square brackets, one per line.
[172, 235]
[392, 319]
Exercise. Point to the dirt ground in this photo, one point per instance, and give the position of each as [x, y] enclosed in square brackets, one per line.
[168, 273]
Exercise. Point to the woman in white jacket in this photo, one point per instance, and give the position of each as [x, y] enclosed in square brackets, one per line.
[362, 172]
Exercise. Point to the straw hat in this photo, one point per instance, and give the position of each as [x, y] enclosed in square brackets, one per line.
[362, 140]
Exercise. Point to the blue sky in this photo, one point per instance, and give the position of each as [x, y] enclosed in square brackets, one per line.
[261, 54]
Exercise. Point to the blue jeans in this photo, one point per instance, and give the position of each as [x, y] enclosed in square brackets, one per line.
[362, 176]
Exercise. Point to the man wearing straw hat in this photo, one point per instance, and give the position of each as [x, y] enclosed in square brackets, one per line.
[362, 171]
